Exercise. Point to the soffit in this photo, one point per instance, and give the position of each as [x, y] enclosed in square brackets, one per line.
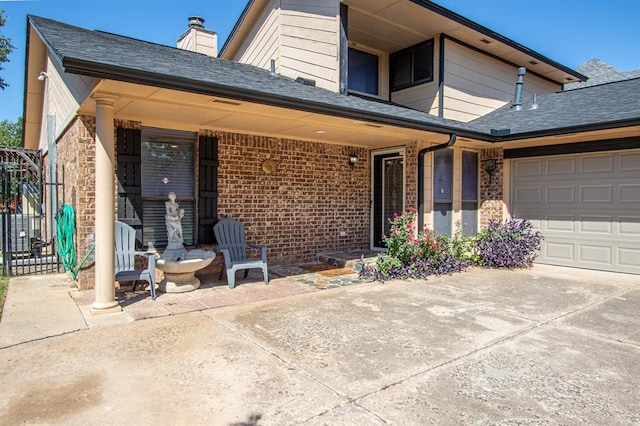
[390, 25]
[189, 111]
[34, 90]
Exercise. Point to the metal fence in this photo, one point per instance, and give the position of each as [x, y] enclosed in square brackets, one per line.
[29, 204]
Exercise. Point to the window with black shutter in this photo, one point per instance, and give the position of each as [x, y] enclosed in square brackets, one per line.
[154, 162]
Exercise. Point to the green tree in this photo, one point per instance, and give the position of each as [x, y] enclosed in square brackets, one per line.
[11, 133]
[5, 48]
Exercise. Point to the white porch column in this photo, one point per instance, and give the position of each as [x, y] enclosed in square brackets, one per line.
[105, 285]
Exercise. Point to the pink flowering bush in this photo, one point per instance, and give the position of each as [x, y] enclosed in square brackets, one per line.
[412, 254]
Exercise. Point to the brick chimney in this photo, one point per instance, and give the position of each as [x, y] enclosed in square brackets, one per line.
[198, 39]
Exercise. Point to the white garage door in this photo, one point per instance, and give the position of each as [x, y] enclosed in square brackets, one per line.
[587, 206]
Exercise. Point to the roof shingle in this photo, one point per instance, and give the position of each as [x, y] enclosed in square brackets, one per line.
[106, 55]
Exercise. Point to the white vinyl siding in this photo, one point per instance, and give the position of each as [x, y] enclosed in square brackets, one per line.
[476, 84]
[423, 97]
[587, 207]
[302, 37]
[64, 94]
[263, 44]
[309, 41]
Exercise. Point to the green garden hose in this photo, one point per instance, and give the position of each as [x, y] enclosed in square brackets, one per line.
[64, 242]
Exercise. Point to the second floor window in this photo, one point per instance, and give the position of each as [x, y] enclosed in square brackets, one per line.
[412, 66]
[363, 72]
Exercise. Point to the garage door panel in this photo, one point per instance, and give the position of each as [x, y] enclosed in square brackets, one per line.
[596, 164]
[630, 163]
[586, 205]
[593, 254]
[558, 251]
[629, 226]
[528, 168]
[596, 225]
[559, 223]
[596, 194]
[629, 193]
[628, 257]
[529, 195]
[561, 166]
[561, 194]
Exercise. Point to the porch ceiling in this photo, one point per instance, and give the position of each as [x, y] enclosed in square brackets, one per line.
[158, 107]
[391, 25]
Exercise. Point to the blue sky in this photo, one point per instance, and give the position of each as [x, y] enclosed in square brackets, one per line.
[569, 33]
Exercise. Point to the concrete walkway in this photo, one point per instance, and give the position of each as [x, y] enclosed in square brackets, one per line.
[541, 346]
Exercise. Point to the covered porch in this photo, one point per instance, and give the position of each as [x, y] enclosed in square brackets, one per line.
[311, 199]
[331, 270]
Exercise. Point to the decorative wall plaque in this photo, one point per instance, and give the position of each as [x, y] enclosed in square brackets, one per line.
[269, 166]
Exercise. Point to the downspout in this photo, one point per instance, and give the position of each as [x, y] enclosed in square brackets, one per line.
[441, 78]
[421, 153]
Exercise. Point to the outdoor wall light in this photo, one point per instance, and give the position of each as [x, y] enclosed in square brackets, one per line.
[490, 167]
[353, 160]
[42, 76]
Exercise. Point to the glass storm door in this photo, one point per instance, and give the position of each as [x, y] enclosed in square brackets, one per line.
[388, 193]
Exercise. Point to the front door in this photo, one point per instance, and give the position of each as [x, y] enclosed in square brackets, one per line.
[388, 193]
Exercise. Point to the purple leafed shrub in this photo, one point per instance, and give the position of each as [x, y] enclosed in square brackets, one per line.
[512, 244]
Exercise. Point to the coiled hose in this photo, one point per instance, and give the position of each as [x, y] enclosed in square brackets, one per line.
[66, 219]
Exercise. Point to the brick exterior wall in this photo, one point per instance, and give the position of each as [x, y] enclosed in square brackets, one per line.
[491, 191]
[76, 164]
[411, 175]
[302, 209]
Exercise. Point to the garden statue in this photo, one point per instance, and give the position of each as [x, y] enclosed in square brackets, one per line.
[173, 220]
[178, 264]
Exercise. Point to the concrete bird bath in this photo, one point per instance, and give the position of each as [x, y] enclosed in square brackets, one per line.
[178, 264]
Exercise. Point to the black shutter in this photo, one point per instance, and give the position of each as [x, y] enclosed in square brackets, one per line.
[129, 171]
[207, 189]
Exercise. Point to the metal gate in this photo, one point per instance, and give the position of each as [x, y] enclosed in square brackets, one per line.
[29, 205]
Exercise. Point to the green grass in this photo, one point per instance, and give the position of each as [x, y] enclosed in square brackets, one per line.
[4, 284]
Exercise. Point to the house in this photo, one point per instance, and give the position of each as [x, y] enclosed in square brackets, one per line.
[316, 122]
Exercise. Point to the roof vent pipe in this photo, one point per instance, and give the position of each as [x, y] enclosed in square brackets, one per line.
[273, 67]
[535, 101]
[517, 101]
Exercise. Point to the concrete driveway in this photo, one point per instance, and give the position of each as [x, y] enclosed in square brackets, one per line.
[542, 346]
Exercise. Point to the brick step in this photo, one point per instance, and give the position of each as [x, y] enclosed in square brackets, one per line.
[348, 259]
